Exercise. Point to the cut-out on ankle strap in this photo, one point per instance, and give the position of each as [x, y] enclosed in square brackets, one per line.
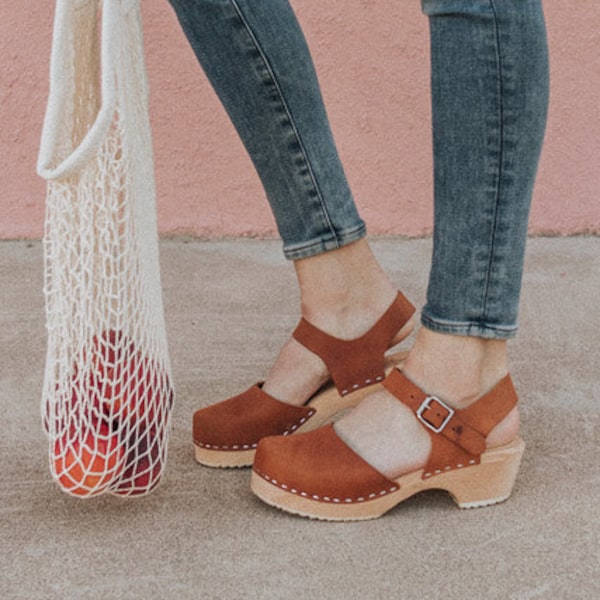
[457, 436]
[354, 364]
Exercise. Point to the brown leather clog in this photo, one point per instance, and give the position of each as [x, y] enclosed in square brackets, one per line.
[226, 434]
[317, 475]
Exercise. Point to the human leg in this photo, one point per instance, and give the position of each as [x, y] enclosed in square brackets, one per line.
[489, 100]
[489, 93]
[256, 58]
[348, 350]
[255, 55]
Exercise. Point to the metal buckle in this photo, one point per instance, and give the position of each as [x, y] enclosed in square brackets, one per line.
[425, 405]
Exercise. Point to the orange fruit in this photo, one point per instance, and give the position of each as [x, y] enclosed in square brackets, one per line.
[86, 464]
[117, 396]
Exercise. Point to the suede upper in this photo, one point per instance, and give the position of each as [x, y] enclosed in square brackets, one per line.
[357, 363]
[320, 466]
[240, 422]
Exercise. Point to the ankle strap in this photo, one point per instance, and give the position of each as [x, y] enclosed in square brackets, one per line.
[458, 436]
[357, 363]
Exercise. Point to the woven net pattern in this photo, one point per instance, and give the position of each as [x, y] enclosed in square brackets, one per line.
[108, 392]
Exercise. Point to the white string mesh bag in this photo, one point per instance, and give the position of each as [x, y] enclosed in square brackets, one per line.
[108, 391]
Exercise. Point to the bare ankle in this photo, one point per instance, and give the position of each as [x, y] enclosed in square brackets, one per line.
[344, 291]
[457, 369]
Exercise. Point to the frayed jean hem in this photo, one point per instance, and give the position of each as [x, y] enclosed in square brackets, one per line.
[470, 329]
[324, 244]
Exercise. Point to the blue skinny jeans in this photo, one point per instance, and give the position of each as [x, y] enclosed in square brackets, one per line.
[489, 74]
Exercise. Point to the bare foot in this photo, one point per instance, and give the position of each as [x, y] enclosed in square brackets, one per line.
[385, 432]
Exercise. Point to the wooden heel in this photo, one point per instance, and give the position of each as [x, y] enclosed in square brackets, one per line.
[489, 482]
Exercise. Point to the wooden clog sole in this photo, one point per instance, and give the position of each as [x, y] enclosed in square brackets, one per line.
[487, 483]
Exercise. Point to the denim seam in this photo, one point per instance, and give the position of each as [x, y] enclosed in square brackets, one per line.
[500, 161]
[271, 72]
[469, 328]
[316, 246]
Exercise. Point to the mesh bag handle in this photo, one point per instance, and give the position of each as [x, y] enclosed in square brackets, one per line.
[108, 393]
[55, 159]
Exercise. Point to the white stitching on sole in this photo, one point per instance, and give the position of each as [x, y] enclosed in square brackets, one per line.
[349, 500]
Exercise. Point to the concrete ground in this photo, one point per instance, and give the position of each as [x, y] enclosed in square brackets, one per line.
[202, 534]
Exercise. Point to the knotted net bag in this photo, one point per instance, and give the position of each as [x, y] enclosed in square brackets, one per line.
[108, 391]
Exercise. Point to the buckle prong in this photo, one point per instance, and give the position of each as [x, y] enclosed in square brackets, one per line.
[425, 405]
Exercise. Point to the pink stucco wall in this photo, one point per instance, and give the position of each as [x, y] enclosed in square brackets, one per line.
[372, 59]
